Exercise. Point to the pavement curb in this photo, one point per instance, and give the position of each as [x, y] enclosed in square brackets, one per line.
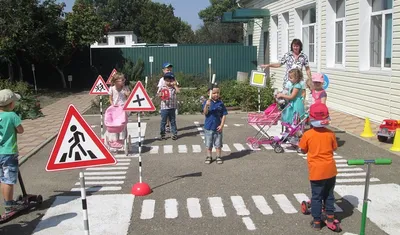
[23, 159]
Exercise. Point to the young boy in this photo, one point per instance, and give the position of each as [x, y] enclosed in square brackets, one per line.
[10, 125]
[319, 144]
[215, 113]
[168, 106]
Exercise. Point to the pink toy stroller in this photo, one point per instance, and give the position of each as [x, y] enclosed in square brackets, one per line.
[264, 121]
[116, 121]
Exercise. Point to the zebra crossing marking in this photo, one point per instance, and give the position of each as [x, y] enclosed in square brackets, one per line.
[194, 208]
[217, 208]
[182, 149]
[284, 203]
[105, 177]
[97, 189]
[168, 149]
[171, 208]
[196, 148]
[239, 205]
[262, 205]
[147, 209]
[249, 223]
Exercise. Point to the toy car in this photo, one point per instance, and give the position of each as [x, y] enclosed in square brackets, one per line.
[387, 129]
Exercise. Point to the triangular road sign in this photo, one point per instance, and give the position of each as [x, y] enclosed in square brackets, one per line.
[77, 146]
[111, 75]
[99, 87]
[139, 100]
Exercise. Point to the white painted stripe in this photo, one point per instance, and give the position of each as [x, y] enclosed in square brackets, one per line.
[336, 157]
[251, 147]
[356, 180]
[123, 156]
[239, 205]
[105, 177]
[123, 164]
[226, 148]
[343, 165]
[106, 173]
[147, 209]
[154, 150]
[225, 125]
[182, 149]
[238, 124]
[194, 208]
[249, 223]
[97, 189]
[124, 160]
[93, 126]
[301, 197]
[196, 148]
[262, 205]
[199, 128]
[171, 208]
[284, 203]
[239, 147]
[349, 169]
[101, 182]
[341, 160]
[168, 148]
[267, 146]
[196, 123]
[349, 233]
[217, 208]
[111, 168]
[351, 174]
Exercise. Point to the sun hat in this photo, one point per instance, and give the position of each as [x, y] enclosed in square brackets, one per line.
[319, 115]
[317, 77]
[7, 96]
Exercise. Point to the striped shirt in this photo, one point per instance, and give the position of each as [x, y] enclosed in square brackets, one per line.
[171, 103]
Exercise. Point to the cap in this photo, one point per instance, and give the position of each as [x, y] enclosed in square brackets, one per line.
[319, 115]
[318, 77]
[169, 75]
[7, 96]
[166, 65]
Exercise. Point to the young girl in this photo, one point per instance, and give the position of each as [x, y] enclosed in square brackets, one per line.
[119, 93]
[294, 96]
[318, 93]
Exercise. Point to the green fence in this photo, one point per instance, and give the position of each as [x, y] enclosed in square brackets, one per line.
[226, 59]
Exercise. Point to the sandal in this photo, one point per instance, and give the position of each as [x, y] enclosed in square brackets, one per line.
[208, 160]
[219, 160]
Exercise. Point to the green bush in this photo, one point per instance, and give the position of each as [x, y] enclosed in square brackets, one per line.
[28, 107]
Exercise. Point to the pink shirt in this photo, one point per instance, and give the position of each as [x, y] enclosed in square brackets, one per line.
[317, 96]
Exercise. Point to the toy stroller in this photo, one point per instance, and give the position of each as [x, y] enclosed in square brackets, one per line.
[116, 121]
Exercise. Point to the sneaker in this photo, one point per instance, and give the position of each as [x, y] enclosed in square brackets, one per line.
[208, 160]
[316, 225]
[167, 129]
[14, 207]
[163, 137]
[174, 137]
[219, 160]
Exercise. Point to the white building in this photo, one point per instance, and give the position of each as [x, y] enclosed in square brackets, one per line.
[356, 43]
[117, 40]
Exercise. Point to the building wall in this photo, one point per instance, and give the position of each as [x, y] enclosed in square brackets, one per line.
[130, 39]
[355, 87]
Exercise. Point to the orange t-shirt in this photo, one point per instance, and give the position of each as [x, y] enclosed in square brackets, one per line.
[319, 143]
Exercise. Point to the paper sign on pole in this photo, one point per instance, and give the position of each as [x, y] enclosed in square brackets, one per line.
[139, 100]
[77, 146]
[111, 75]
[258, 79]
[99, 87]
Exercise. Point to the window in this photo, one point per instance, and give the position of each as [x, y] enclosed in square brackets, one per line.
[103, 41]
[250, 40]
[340, 31]
[285, 33]
[120, 40]
[274, 38]
[308, 32]
[381, 33]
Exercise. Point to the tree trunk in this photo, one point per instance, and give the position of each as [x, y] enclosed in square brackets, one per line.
[61, 72]
[20, 73]
[10, 71]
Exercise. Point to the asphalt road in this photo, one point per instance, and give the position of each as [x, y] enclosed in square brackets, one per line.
[253, 192]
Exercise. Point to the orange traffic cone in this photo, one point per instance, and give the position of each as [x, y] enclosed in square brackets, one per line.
[367, 133]
[396, 142]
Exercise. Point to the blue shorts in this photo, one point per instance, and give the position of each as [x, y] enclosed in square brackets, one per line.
[213, 137]
[8, 168]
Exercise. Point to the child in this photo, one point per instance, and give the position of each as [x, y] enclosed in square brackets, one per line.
[318, 93]
[215, 113]
[10, 125]
[168, 106]
[294, 96]
[119, 93]
[319, 144]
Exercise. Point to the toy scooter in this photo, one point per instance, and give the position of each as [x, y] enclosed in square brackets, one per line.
[29, 201]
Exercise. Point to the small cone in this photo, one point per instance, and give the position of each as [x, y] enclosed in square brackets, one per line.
[367, 133]
[396, 142]
[141, 189]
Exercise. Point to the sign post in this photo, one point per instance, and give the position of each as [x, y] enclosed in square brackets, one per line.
[139, 101]
[70, 81]
[258, 79]
[100, 88]
[209, 68]
[76, 147]
[34, 77]
[151, 60]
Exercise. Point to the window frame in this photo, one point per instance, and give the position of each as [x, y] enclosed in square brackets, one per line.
[382, 13]
[314, 25]
[343, 20]
[274, 46]
[119, 43]
[285, 39]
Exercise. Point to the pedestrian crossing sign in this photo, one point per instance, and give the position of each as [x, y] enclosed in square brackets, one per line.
[77, 146]
[99, 87]
[111, 75]
[139, 100]
[258, 79]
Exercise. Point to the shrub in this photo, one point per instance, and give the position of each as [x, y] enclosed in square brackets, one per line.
[28, 107]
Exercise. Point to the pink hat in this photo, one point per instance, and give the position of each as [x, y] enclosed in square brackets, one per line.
[318, 77]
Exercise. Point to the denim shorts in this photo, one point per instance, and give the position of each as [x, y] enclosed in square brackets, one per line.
[9, 168]
[213, 137]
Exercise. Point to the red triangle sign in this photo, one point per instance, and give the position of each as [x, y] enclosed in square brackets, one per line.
[99, 87]
[111, 75]
[139, 100]
[77, 146]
